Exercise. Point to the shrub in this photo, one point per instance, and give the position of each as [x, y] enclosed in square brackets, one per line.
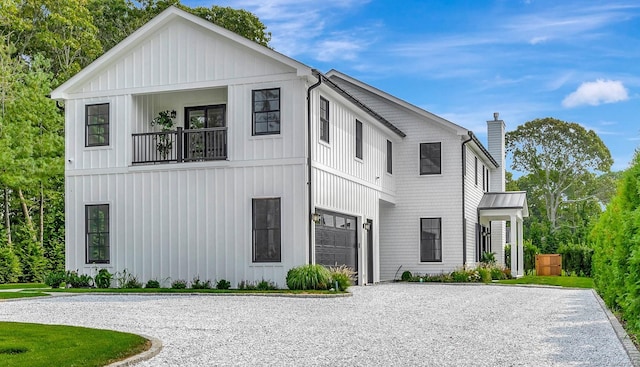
[78, 281]
[484, 274]
[265, 285]
[465, 276]
[530, 252]
[55, 278]
[152, 283]
[196, 283]
[576, 259]
[497, 273]
[406, 276]
[247, 285]
[488, 258]
[127, 280]
[310, 276]
[343, 275]
[9, 265]
[223, 284]
[103, 278]
[179, 284]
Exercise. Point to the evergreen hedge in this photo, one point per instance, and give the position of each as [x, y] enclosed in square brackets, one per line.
[616, 242]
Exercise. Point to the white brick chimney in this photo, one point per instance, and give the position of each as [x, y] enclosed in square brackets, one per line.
[495, 139]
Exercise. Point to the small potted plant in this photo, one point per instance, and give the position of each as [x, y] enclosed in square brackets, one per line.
[166, 123]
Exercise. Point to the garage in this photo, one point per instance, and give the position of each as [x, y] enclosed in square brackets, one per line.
[336, 240]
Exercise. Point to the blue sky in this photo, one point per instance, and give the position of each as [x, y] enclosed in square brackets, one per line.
[574, 60]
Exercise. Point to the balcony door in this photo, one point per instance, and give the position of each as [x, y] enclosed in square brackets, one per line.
[205, 132]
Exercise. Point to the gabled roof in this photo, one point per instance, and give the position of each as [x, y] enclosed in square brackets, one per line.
[459, 130]
[505, 200]
[156, 23]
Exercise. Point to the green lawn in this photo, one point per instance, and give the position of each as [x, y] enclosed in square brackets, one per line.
[563, 281]
[52, 345]
[170, 290]
[10, 295]
[22, 285]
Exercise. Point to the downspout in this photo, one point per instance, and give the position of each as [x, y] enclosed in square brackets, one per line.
[464, 219]
[309, 186]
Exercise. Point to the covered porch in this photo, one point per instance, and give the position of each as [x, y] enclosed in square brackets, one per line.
[494, 210]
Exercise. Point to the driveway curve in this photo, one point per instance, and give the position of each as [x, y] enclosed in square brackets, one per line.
[387, 324]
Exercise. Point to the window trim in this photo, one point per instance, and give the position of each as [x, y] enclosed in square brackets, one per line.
[88, 260]
[359, 139]
[253, 112]
[389, 157]
[425, 173]
[107, 125]
[438, 240]
[254, 258]
[324, 121]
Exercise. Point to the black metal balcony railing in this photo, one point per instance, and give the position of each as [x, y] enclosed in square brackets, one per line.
[180, 145]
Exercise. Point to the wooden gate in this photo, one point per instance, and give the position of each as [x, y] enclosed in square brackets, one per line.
[548, 264]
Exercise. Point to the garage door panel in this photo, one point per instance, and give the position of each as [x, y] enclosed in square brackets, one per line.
[336, 240]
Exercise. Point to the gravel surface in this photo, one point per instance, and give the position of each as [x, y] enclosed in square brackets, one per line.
[388, 324]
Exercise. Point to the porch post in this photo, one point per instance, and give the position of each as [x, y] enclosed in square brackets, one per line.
[520, 247]
[514, 248]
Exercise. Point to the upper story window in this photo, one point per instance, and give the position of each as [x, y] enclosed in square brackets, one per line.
[430, 158]
[487, 188]
[389, 157]
[324, 120]
[266, 230]
[476, 169]
[97, 233]
[266, 111]
[96, 125]
[358, 139]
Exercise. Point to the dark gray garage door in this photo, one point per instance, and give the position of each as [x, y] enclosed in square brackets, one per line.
[336, 240]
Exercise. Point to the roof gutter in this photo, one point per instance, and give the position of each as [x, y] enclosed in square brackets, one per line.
[309, 171]
[464, 218]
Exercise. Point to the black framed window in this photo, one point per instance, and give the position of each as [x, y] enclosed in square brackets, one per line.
[266, 230]
[266, 111]
[324, 120]
[484, 182]
[430, 158]
[430, 239]
[358, 139]
[487, 189]
[96, 125]
[97, 233]
[389, 157]
[476, 169]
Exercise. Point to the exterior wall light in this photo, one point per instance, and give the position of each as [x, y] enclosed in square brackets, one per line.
[366, 226]
[173, 114]
[315, 218]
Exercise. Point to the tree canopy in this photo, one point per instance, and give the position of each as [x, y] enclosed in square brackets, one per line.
[565, 170]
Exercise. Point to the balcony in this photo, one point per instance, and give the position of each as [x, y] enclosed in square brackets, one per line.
[177, 146]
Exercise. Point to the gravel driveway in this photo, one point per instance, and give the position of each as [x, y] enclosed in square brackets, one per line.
[387, 324]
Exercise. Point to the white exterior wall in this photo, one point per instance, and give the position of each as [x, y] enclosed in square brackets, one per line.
[473, 195]
[181, 220]
[496, 146]
[346, 184]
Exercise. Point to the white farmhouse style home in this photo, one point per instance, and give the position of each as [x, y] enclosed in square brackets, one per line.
[192, 151]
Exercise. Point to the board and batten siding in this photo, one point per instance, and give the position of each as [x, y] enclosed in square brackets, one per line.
[418, 196]
[165, 58]
[473, 195]
[182, 223]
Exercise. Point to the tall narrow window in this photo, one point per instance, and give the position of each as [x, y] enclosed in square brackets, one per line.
[430, 239]
[358, 139]
[324, 120]
[484, 182]
[476, 170]
[266, 230]
[97, 233]
[389, 157]
[96, 125]
[430, 158]
[487, 189]
[266, 111]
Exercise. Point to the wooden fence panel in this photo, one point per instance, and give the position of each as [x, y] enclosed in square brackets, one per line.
[548, 264]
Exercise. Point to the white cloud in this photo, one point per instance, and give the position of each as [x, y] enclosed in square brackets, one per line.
[595, 93]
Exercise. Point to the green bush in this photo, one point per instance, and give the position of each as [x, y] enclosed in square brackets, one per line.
[484, 274]
[265, 285]
[406, 275]
[497, 273]
[310, 276]
[196, 283]
[223, 284]
[75, 280]
[576, 259]
[343, 275]
[152, 283]
[465, 276]
[55, 278]
[9, 265]
[616, 243]
[103, 278]
[179, 284]
[246, 285]
[530, 252]
[488, 258]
